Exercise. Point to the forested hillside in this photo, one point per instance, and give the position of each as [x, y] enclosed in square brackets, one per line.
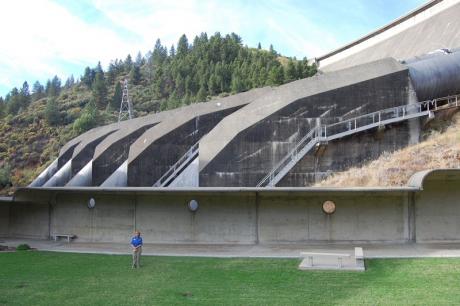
[37, 120]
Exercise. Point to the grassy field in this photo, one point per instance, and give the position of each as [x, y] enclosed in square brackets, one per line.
[45, 278]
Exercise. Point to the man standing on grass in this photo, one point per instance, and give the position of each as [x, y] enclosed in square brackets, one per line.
[136, 243]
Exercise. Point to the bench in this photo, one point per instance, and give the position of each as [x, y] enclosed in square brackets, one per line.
[309, 256]
[334, 261]
[68, 236]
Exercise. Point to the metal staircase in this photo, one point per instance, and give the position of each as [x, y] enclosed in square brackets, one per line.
[325, 133]
[178, 167]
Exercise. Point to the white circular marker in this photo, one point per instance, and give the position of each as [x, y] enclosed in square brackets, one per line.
[193, 205]
[91, 203]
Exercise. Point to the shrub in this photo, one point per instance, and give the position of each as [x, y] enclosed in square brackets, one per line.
[87, 120]
[23, 247]
[5, 176]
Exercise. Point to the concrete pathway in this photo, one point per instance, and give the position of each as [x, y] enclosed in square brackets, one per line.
[275, 251]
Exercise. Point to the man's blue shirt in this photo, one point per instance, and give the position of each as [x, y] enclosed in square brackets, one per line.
[136, 241]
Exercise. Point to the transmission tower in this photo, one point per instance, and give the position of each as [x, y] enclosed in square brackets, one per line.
[126, 106]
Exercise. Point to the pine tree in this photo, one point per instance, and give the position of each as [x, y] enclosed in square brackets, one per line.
[272, 51]
[2, 107]
[52, 114]
[53, 87]
[259, 46]
[128, 63]
[13, 102]
[69, 82]
[98, 68]
[100, 91]
[115, 102]
[237, 82]
[140, 61]
[38, 91]
[213, 86]
[275, 76]
[24, 95]
[88, 77]
[182, 46]
[172, 51]
[290, 72]
[135, 75]
[202, 94]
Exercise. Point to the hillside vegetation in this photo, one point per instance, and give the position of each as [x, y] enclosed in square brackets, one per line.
[441, 149]
[36, 121]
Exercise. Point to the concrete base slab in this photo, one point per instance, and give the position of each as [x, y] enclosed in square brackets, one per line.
[331, 261]
[227, 251]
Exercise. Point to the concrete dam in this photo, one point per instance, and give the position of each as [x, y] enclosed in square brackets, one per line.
[289, 136]
[237, 169]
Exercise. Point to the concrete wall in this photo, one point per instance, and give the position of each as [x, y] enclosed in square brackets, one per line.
[159, 156]
[29, 220]
[433, 28]
[110, 221]
[253, 152]
[427, 211]
[364, 218]
[4, 219]
[222, 217]
[438, 211]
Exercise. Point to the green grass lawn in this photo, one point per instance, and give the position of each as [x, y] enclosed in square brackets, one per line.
[46, 278]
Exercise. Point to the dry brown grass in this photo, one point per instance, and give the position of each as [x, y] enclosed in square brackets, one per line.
[440, 150]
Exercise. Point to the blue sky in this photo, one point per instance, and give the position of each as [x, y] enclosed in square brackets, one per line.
[43, 38]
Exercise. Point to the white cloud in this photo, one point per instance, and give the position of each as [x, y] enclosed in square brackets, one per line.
[42, 38]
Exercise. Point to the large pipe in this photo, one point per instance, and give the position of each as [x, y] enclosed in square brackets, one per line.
[436, 75]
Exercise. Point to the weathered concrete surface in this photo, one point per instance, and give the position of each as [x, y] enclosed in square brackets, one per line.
[162, 145]
[83, 177]
[114, 150]
[189, 177]
[231, 219]
[438, 209]
[84, 152]
[119, 178]
[61, 177]
[368, 217]
[29, 220]
[78, 143]
[109, 221]
[433, 27]
[224, 216]
[427, 211]
[4, 219]
[246, 145]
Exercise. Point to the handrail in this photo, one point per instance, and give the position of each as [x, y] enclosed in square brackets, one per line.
[351, 126]
[178, 166]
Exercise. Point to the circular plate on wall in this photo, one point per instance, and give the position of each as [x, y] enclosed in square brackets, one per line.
[329, 207]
